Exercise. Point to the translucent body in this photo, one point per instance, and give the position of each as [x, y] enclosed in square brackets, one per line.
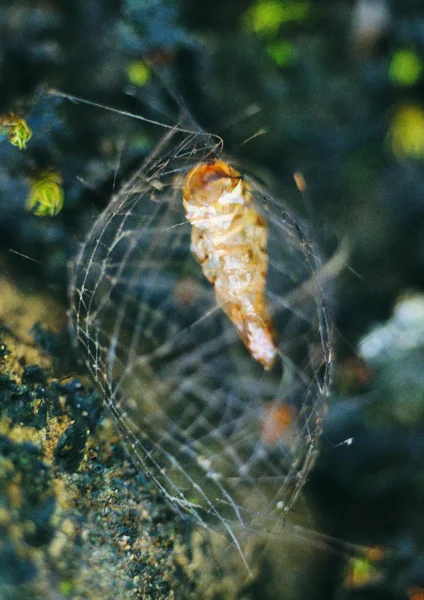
[229, 240]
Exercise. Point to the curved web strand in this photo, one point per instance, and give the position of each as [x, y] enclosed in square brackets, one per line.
[224, 440]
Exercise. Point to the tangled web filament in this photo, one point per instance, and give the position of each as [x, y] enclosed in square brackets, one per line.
[224, 439]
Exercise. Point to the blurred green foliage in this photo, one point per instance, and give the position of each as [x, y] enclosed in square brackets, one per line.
[405, 68]
[267, 16]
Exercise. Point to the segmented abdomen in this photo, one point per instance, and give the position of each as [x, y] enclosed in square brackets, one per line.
[229, 240]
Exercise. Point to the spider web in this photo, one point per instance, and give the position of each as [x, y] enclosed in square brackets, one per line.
[197, 412]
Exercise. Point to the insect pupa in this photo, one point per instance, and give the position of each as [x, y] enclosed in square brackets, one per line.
[229, 241]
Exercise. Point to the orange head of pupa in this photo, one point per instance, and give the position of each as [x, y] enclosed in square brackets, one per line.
[205, 183]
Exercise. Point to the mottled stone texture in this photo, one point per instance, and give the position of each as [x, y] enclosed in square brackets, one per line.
[76, 519]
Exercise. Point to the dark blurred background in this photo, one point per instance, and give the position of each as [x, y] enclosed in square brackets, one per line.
[332, 89]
